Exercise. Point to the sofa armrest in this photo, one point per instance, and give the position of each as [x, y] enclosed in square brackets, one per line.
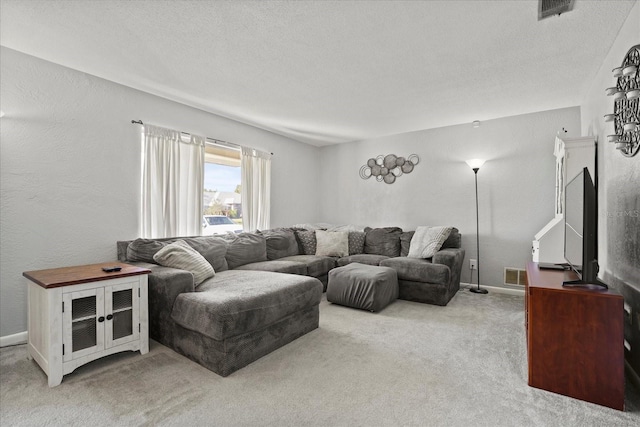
[165, 284]
[452, 258]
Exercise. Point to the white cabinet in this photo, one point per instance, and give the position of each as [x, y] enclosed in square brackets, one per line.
[572, 155]
[100, 318]
[79, 314]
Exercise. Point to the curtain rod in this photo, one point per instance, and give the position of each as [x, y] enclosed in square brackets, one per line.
[216, 141]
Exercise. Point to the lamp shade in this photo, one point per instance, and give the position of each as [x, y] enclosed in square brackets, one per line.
[475, 163]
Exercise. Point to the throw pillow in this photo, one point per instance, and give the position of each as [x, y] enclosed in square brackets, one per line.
[356, 242]
[332, 243]
[426, 241]
[180, 255]
[307, 241]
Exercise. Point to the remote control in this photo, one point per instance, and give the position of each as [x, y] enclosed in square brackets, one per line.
[111, 269]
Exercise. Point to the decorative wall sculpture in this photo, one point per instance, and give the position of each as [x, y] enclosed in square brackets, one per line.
[388, 168]
[626, 104]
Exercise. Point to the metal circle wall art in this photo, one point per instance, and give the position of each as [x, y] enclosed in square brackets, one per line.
[388, 168]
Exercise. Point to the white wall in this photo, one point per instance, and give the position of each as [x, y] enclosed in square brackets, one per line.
[516, 185]
[619, 193]
[70, 169]
[618, 190]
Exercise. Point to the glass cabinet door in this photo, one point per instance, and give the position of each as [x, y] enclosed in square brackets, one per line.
[83, 318]
[121, 311]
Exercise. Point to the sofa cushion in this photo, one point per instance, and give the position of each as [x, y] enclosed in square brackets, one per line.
[280, 243]
[369, 259]
[427, 241]
[454, 240]
[356, 242]
[244, 248]
[316, 265]
[405, 242]
[383, 241]
[235, 302]
[213, 249]
[143, 250]
[332, 243]
[307, 241]
[182, 256]
[277, 266]
[419, 270]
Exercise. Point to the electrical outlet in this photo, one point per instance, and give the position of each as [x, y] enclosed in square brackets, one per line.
[473, 264]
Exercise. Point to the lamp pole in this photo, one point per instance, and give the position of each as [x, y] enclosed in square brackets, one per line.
[475, 165]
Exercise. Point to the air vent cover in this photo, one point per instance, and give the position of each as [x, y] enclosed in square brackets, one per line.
[514, 276]
[548, 8]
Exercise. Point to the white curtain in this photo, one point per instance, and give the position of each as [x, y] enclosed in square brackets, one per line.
[172, 183]
[256, 189]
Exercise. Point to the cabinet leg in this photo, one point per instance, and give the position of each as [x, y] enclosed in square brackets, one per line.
[55, 380]
[144, 347]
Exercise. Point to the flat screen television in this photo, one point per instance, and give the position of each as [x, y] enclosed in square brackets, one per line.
[581, 230]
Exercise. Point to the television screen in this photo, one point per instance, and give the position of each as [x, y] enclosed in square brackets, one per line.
[581, 230]
[573, 223]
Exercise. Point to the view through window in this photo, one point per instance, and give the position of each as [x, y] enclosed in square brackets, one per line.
[221, 198]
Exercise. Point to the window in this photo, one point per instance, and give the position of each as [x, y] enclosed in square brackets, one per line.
[221, 197]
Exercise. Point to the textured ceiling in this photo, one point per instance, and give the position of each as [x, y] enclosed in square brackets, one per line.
[326, 72]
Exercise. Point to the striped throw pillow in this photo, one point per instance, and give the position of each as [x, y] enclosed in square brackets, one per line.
[182, 256]
[426, 241]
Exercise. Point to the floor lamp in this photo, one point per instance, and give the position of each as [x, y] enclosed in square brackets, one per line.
[475, 164]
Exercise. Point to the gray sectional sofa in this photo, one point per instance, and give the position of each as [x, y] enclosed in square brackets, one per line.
[268, 285]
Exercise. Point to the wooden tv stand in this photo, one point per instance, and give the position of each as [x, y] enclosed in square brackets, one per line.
[575, 338]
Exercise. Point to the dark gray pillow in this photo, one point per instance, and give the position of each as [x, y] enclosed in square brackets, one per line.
[245, 248]
[307, 241]
[454, 240]
[405, 242]
[383, 241]
[281, 243]
[144, 249]
[356, 242]
[213, 249]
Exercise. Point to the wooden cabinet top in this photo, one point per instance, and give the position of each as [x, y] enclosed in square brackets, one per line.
[552, 280]
[65, 276]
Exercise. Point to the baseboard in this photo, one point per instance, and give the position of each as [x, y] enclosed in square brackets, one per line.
[496, 289]
[19, 338]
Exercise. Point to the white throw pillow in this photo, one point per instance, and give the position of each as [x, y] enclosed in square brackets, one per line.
[182, 256]
[426, 241]
[332, 243]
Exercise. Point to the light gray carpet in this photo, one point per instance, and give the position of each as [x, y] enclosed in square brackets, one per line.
[410, 364]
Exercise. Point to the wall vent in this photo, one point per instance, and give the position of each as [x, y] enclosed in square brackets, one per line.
[515, 276]
[548, 8]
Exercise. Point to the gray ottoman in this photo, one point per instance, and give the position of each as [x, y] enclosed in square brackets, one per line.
[363, 286]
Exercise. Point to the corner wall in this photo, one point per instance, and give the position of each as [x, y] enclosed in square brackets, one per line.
[619, 190]
[516, 186]
[70, 169]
